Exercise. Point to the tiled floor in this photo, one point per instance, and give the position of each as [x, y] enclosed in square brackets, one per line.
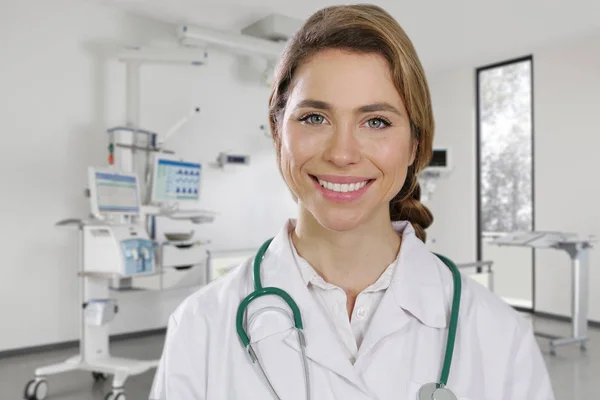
[575, 375]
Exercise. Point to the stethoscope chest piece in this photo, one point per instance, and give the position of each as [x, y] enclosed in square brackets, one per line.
[433, 391]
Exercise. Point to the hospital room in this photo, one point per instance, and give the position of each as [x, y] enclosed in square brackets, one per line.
[286, 200]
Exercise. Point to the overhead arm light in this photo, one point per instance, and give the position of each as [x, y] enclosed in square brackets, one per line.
[248, 45]
[194, 56]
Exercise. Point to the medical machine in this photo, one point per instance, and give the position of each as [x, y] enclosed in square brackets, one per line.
[123, 250]
[429, 391]
[440, 160]
[113, 193]
[438, 168]
[578, 250]
[175, 191]
[110, 249]
[120, 251]
[175, 181]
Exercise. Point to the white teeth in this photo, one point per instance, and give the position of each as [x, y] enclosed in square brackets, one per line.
[343, 187]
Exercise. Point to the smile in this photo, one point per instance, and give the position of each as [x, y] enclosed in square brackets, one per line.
[343, 187]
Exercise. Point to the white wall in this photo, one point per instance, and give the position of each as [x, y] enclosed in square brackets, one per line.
[453, 232]
[58, 96]
[567, 190]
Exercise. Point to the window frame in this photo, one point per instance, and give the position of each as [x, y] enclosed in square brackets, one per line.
[478, 160]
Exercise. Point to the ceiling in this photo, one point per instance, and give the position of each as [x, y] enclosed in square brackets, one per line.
[447, 34]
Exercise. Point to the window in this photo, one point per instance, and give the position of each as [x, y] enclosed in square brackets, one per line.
[505, 171]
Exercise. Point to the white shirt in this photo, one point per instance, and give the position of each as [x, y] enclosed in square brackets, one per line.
[496, 356]
[333, 300]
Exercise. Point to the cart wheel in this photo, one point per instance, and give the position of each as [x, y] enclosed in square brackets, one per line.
[29, 392]
[36, 390]
[99, 376]
[115, 396]
[41, 390]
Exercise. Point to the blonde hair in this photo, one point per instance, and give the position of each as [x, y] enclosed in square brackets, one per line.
[367, 29]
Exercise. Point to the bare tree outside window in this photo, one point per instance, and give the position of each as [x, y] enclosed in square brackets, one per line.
[505, 112]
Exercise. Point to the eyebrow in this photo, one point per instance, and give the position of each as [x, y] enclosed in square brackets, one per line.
[379, 107]
[321, 105]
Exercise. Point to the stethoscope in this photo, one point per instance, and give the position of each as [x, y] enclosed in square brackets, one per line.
[430, 391]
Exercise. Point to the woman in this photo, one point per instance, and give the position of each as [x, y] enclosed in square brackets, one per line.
[352, 123]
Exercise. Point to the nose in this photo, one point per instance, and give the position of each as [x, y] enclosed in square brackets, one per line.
[342, 148]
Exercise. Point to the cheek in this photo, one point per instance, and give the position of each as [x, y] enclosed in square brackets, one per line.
[393, 158]
[296, 150]
[298, 146]
[394, 153]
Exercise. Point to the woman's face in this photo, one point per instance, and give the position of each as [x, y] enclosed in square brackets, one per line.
[345, 138]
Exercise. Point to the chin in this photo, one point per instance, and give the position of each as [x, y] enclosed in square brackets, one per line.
[339, 220]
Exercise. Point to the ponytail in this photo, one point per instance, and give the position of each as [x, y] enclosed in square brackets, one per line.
[407, 206]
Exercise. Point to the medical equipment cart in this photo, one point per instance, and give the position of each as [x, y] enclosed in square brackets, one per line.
[97, 310]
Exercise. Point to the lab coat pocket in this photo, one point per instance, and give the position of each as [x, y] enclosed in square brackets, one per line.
[268, 321]
[414, 387]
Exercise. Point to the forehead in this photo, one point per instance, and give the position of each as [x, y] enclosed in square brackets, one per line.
[345, 79]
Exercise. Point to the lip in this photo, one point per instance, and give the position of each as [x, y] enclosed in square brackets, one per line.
[342, 179]
[340, 197]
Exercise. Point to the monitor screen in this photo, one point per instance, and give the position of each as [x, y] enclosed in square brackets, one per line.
[439, 158]
[114, 192]
[176, 181]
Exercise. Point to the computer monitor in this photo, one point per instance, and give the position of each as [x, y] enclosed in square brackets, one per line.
[113, 192]
[175, 181]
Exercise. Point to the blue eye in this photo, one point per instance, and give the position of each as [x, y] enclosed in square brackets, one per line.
[377, 123]
[313, 119]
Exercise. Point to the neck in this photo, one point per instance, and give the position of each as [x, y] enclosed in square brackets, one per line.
[351, 260]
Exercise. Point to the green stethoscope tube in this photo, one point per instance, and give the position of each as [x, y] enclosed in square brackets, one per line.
[259, 291]
[453, 318]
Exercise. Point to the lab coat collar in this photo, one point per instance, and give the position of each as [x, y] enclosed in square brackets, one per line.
[416, 291]
[417, 285]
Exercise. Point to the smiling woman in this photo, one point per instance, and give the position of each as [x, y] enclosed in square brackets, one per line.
[347, 302]
[355, 83]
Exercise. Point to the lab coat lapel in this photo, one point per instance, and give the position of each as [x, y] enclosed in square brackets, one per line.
[322, 345]
[416, 291]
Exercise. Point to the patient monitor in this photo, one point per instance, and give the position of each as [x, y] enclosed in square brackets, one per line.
[113, 193]
[175, 182]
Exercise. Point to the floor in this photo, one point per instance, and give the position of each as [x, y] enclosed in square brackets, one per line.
[574, 374]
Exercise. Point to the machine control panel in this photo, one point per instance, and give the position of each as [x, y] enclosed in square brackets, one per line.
[138, 256]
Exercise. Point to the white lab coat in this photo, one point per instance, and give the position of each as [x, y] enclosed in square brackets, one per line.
[496, 356]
